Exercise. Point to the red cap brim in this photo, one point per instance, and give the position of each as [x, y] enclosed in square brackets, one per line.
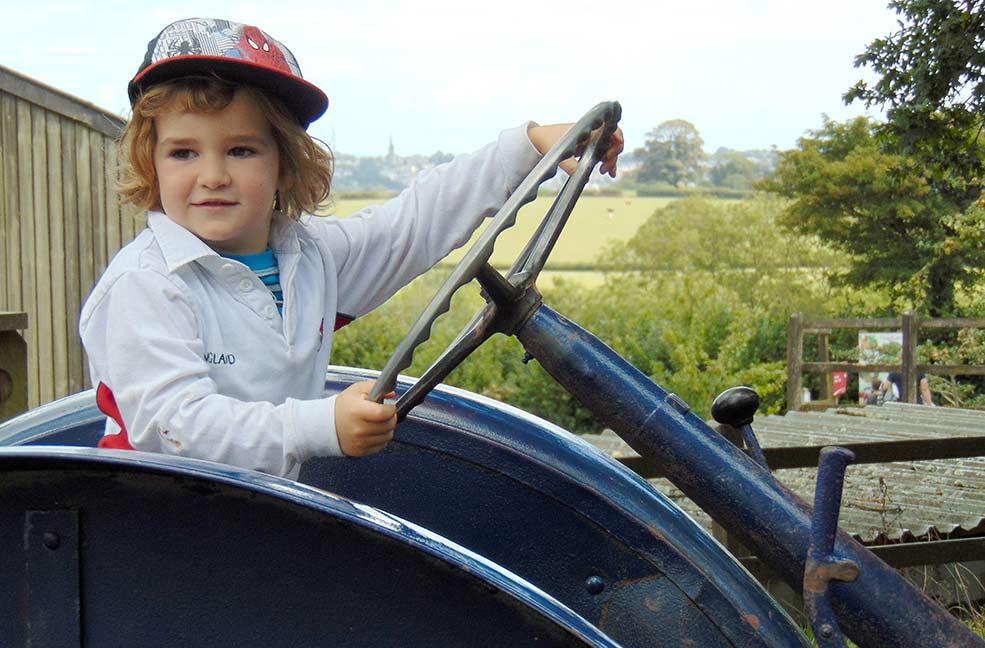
[305, 100]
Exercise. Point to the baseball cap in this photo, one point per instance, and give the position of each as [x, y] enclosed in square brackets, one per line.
[234, 51]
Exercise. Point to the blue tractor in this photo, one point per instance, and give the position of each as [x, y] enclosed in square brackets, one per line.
[479, 525]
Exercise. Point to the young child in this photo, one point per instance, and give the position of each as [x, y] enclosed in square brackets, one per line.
[209, 335]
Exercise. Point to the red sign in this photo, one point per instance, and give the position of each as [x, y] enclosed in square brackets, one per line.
[839, 383]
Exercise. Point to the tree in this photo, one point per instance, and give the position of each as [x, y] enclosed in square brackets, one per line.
[672, 153]
[733, 170]
[900, 197]
[933, 85]
[882, 210]
[736, 241]
[702, 295]
[440, 157]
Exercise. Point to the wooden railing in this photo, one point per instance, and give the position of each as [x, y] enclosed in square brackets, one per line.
[910, 325]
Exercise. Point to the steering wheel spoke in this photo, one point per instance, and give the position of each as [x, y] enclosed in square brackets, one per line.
[514, 297]
[534, 255]
[477, 331]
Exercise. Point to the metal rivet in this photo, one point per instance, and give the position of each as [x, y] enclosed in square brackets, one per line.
[594, 585]
[51, 540]
[827, 631]
[678, 404]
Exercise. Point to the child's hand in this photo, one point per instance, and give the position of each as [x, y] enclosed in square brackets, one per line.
[544, 137]
[363, 427]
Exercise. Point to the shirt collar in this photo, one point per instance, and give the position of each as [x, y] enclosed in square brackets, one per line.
[283, 235]
[180, 247]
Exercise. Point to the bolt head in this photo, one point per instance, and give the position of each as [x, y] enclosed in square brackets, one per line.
[51, 540]
[594, 585]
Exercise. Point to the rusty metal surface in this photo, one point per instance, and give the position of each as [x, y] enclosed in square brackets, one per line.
[904, 500]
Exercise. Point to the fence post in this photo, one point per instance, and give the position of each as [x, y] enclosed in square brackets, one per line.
[823, 355]
[795, 357]
[911, 328]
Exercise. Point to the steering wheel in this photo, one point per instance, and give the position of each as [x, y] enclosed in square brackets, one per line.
[510, 300]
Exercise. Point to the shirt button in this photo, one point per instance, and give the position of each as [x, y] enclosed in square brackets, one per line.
[245, 285]
[269, 311]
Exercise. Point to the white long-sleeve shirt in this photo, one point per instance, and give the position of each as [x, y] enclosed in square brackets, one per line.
[193, 351]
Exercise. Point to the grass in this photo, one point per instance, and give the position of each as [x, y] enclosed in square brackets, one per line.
[977, 623]
[584, 278]
[590, 228]
[974, 618]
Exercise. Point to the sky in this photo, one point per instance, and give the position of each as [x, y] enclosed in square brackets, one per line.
[449, 75]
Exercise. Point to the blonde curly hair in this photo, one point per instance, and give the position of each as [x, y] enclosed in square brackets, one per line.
[306, 164]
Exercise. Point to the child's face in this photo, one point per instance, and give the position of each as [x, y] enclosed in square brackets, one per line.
[218, 174]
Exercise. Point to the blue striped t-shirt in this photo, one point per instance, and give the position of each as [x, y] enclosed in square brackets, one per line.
[264, 265]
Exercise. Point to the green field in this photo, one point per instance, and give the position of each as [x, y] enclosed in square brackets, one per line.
[589, 230]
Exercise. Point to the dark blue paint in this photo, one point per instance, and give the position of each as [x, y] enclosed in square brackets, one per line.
[541, 503]
[823, 566]
[70, 421]
[178, 552]
[553, 509]
[878, 609]
[51, 566]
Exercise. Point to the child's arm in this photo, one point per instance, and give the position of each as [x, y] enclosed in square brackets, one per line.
[145, 342]
[382, 248]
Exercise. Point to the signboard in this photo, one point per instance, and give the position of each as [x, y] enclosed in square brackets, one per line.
[876, 348]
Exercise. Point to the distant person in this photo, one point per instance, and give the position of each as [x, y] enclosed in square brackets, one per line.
[924, 397]
[889, 392]
[872, 395]
[209, 335]
[895, 384]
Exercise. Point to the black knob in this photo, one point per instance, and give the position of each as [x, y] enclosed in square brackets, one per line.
[736, 406]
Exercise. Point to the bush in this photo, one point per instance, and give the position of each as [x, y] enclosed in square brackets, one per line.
[669, 191]
[693, 337]
[709, 313]
[496, 370]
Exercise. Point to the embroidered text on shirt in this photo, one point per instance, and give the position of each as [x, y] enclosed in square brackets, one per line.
[219, 358]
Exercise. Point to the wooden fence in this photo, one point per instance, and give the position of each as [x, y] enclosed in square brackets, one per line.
[60, 222]
[910, 325]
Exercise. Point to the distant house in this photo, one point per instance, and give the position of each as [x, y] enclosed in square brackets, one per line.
[394, 172]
